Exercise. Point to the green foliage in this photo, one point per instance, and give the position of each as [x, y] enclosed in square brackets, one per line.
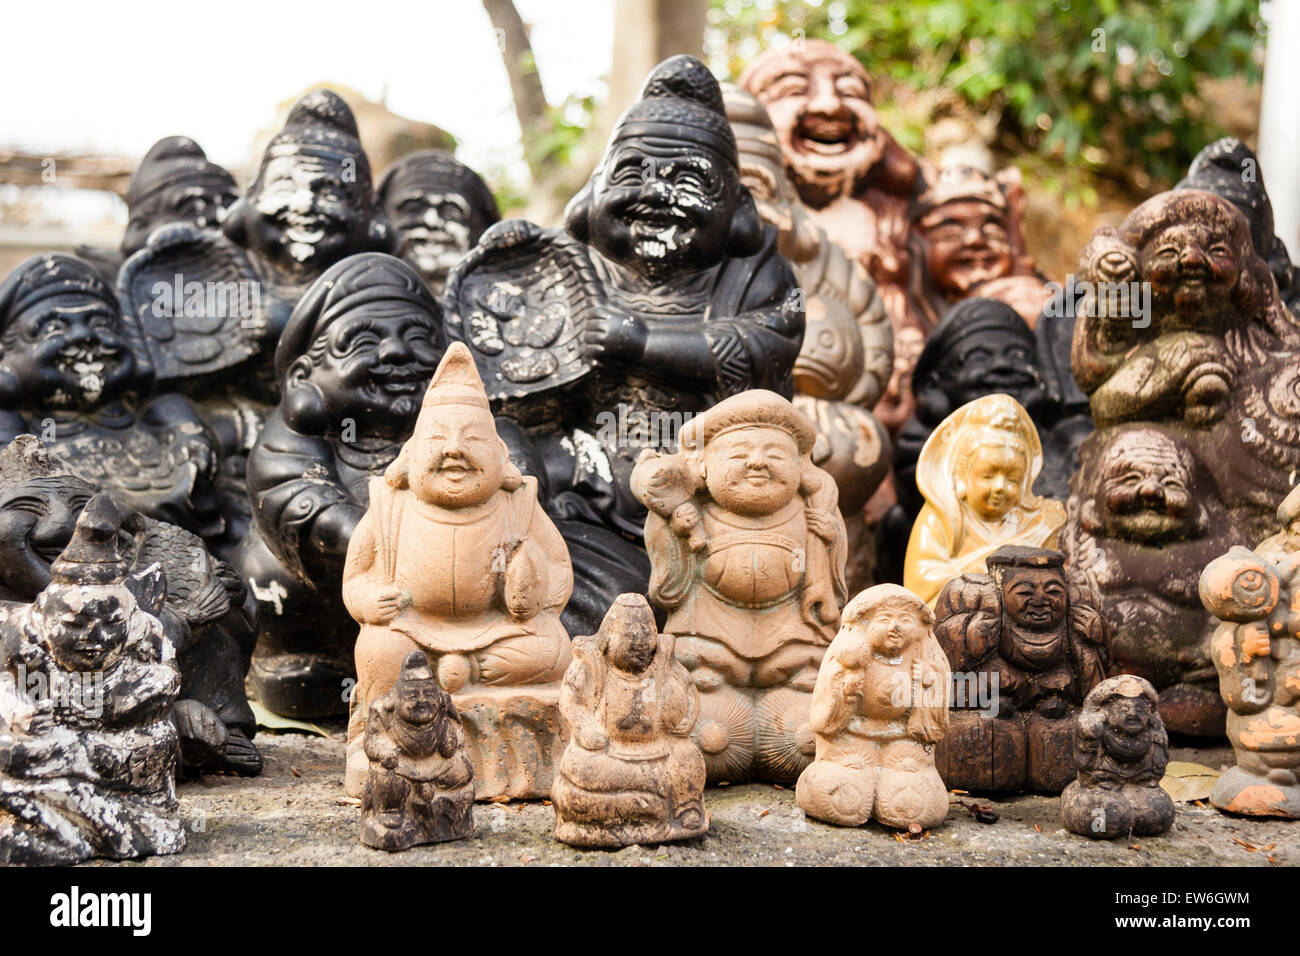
[1110, 86]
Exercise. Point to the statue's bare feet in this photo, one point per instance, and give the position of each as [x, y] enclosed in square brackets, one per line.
[209, 746]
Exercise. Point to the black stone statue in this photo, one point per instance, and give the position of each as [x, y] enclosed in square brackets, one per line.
[664, 294]
[438, 209]
[353, 364]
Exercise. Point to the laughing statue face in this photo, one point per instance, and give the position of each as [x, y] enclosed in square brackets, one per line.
[966, 242]
[68, 351]
[663, 208]
[373, 365]
[306, 213]
[1193, 271]
[752, 471]
[37, 519]
[456, 458]
[819, 99]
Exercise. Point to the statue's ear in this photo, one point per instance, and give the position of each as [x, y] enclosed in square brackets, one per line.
[303, 404]
[233, 225]
[512, 477]
[932, 405]
[577, 214]
[746, 235]
[11, 390]
[398, 472]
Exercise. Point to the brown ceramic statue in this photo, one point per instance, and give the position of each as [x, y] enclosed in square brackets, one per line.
[420, 786]
[1121, 750]
[629, 772]
[455, 556]
[847, 356]
[747, 549]
[1256, 649]
[969, 231]
[879, 709]
[1188, 358]
[1028, 641]
[976, 473]
[850, 172]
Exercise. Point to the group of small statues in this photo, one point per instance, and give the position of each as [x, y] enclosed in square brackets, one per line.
[582, 512]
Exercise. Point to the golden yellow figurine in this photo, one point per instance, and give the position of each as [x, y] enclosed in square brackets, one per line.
[977, 473]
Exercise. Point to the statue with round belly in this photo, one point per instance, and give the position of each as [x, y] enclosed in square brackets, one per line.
[748, 550]
[455, 557]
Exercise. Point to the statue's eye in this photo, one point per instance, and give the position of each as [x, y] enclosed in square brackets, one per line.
[31, 506]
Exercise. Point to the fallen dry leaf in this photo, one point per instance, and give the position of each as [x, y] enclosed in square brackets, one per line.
[764, 813]
[960, 793]
[526, 858]
[546, 803]
[1272, 859]
[1037, 828]
[500, 798]
[1188, 782]
[777, 786]
[295, 771]
[1250, 847]
[348, 802]
[900, 837]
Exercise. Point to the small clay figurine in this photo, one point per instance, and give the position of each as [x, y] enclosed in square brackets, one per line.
[354, 361]
[207, 613]
[629, 772]
[1121, 749]
[1030, 642]
[664, 294]
[1256, 649]
[438, 208]
[848, 353]
[1230, 169]
[747, 549]
[69, 374]
[87, 680]
[175, 182]
[420, 786]
[879, 708]
[1188, 358]
[976, 472]
[970, 232]
[454, 556]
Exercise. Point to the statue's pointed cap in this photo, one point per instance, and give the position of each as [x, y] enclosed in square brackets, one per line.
[457, 381]
[93, 555]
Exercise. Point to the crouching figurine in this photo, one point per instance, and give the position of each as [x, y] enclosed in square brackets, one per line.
[456, 557]
[879, 708]
[747, 552]
[1121, 749]
[629, 773]
[420, 787]
[1256, 649]
[88, 750]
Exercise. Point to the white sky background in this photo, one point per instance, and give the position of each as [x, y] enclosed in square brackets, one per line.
[116, 77]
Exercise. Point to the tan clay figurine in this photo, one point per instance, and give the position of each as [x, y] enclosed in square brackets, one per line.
[629, 772]
[420, 788]
[1256, 649]
[456, 557]
[880, 706]
[976, 472]
[747, 552]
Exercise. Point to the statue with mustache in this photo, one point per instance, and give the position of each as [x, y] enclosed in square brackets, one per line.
[353, 363]
[69, 375]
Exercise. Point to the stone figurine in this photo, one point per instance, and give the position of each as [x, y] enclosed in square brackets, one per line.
[354, 362]
[849, 171]
[879, 708]
[976, 472]
[88, 750]
[1031, 641]
[206, 613]
[1188, 358]
[69, 374]
[629, 772]
[664, 294]
[1256, 650]
[420, 785]
[175, 182]
[847, 356]
[748, 549]
[968, 230]
[1121, 750]
[456, 557]
[438, 209]
[1230, 169]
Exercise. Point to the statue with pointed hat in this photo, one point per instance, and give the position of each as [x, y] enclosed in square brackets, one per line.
[748, 550]
[353, 363]
[455, 557]
[663, 294]
[420, 785]
[630, 772]
[88, 678]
